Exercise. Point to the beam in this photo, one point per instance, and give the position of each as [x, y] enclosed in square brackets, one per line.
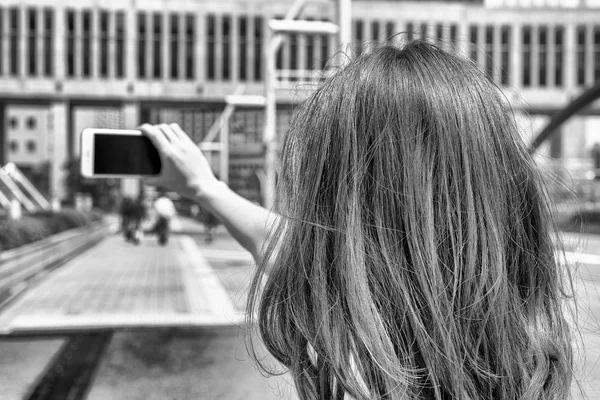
[584, 100]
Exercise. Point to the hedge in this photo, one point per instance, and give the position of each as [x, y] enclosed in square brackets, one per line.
[40, 225]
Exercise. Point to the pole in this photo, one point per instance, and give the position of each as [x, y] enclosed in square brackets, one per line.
[224, 159]
[269, 135]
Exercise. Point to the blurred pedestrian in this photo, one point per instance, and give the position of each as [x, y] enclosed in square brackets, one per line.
[210, 225]
[409, 254]
[165, 211]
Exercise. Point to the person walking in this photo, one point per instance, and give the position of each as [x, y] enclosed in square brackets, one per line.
[165, 211]
[409, 254]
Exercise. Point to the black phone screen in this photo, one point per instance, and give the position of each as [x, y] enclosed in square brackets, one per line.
[125, 155]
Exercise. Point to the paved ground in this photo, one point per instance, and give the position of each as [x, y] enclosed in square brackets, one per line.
[118, 284]
[200, 289]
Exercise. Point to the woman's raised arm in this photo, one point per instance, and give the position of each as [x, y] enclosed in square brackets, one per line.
[186, 171]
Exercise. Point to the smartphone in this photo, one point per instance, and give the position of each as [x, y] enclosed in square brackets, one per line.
[118, 153]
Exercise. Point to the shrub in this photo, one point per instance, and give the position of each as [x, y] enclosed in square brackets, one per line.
[40, 225]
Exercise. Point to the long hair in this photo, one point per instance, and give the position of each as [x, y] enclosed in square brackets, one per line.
[414, 257]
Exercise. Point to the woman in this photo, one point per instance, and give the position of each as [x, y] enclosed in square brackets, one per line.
[409, 255]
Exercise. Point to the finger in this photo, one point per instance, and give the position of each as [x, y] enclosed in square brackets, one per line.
[184, 137]
[172, 136]
[156, 136]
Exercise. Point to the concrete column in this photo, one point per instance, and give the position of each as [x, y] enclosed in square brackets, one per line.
[200, 40]
[516, 56]
[497, 53]
[130, 45]
[131, 115]
[61, 115]
[39, 42]
[301, 51]
[112, 44]
[463, 38]
[535, 56]
[59, 60]
[95, 48]
[569, 58]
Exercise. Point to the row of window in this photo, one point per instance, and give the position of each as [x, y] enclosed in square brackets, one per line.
[30, 146]
[30, 123]
[165, 46]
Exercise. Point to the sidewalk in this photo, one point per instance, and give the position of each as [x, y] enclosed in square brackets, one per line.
[120, 285]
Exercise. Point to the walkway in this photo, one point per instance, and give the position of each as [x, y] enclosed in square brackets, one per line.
[120, 285]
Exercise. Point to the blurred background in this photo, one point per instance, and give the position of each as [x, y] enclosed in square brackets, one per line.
[115, 64]
[84, 314]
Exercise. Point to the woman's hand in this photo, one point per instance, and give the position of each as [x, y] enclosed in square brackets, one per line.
[184, 167]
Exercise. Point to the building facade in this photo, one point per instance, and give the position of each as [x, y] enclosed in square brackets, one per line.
[178, 59]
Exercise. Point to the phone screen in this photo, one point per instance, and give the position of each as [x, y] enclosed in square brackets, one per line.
[125, 155]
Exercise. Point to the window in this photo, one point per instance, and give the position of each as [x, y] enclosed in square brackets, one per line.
[104, 29]
[527, 56]
[86, 43]
[31, 146]
[279, 55]
[409, 31]
[226, 48]
[424, 31]
[157, 45]
[358, 36]
[32, 41]
[141, 44]
[258, 37]
[120, 45]
[31, 123]
[596, 53]
[174, 57]
[14, 41]
[489, 51]
[389, 32]
[243, 42]
[504, 54]
[543, 56]
[293, 53]
[581, 55]
[210, 54]
[473, 43]
[439, 34]
[14, 146]
[558, 55]
[375, 31]
[48, 41]
[13, 122]
[453, 36]
[189, 46]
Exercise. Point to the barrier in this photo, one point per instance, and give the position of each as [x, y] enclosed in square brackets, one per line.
[19, 265]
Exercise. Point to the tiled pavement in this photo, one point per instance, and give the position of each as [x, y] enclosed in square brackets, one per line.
[118, 285]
